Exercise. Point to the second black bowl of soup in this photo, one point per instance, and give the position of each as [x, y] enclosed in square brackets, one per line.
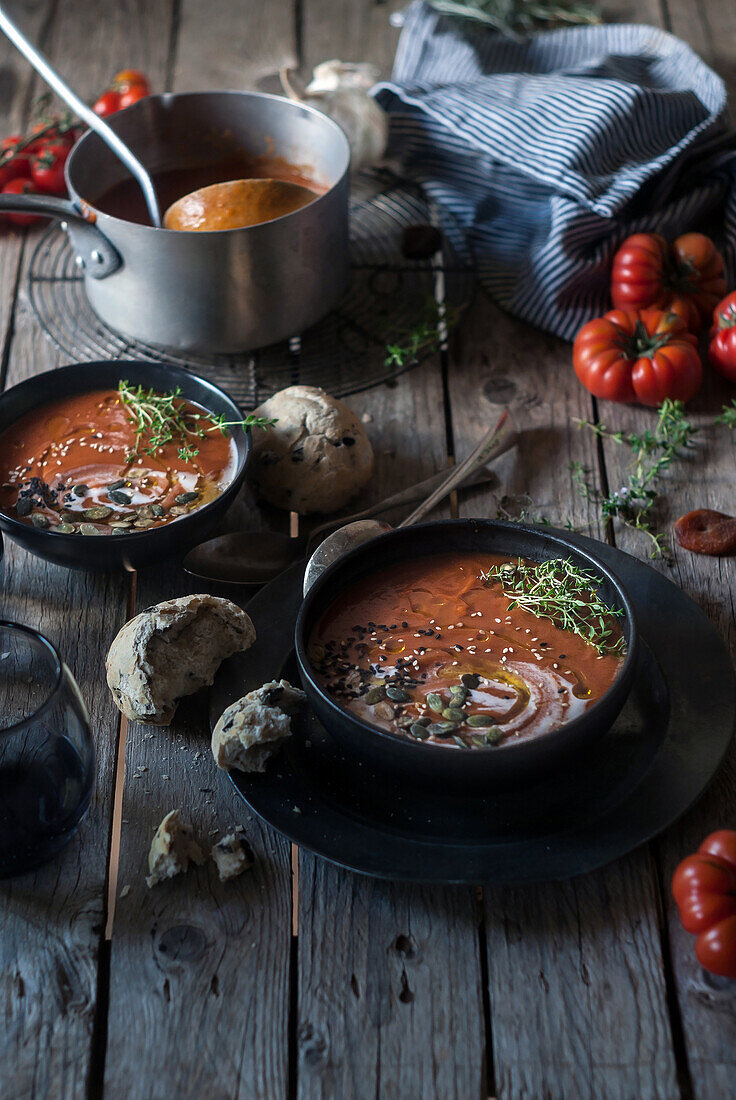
[468, 652]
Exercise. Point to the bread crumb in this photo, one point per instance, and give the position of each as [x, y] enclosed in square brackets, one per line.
[232, 855]
[124, 892]
[172, 849]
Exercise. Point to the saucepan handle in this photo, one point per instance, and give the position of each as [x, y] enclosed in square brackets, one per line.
[95, 255]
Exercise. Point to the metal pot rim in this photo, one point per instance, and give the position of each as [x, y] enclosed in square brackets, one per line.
[92, 214]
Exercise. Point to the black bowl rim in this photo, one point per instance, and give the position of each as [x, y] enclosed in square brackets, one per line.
[182, 522]
[564, 732]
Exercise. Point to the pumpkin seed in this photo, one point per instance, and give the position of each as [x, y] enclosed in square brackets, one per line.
[470, 680]
[117, 496]
[453, 714]
[146, 512]
[120, 484]
[397, 694]
[158, 510]
[88, 529]
[405, 722]
[422, 721]
[142, 523]
[317, 653]
[417, 729]
[24, 507]
[441, 729]
[177, 510]
[124, 523]
[458, 695]
[80, 490]
[39, 520]
[435, 702]
[375, 695]
[121, 531]
[494, 735]
[185, 498]
[65, 528]
[384, 710]
[99, 512]
[69, 517]
[480, 720]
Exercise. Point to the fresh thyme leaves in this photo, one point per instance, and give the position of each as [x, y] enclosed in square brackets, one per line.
[565, 594]
[518, 17]
[428, 335]
[161, 418]
[728, 415]
[653, 452]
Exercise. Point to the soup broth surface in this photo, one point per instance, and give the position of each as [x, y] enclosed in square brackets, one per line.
[68, 464]
[427, 643]
[125, 199]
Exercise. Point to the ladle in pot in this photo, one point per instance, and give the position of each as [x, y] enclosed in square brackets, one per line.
[87, 115]
[235, 204]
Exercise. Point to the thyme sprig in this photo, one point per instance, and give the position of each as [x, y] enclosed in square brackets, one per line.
[426, 336]
[565, 594]
[653, 452]
[159, 418]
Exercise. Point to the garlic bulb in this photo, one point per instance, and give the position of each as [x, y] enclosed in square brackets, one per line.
[340, 91]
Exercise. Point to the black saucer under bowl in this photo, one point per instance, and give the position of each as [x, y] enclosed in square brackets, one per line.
[126, 551]
[654, 762]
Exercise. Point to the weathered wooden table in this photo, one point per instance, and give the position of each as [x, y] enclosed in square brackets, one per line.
[300, 979]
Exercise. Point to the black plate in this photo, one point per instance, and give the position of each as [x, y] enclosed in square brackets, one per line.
[659, 756]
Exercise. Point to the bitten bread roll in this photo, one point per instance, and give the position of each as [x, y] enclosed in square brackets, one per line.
[172, 848]
[172, 650]
[315, 458]
[252, 728]
[232, 855]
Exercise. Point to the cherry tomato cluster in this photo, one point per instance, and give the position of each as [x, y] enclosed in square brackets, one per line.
[664, 294]
[126, 88]
[33, 163]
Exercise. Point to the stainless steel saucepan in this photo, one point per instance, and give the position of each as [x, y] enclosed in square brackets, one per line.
[213, 292]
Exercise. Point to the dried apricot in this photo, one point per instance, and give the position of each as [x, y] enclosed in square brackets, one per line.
[707, 532]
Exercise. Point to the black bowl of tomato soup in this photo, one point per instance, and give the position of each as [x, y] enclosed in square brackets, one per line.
[80, 487]
[467, 652]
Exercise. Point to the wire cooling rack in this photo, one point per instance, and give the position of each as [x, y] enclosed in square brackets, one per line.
[390, 298]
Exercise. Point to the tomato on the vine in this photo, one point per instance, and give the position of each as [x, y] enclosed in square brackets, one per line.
[107, 104]
[704, 888]
[638, 355]
[130, 96]
[130, 78]
[17, 168]
[21, 187]
[722, 347]
[47, 169]
[686, 276]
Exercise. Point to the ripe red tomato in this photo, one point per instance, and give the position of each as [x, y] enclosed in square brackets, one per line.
[21, 187]
[17, 168]
[130, 78]
[638, 355]
[722, 347]
[686, 276]
[704, 888]
[107, 104]
[131, 95]
[47, 169]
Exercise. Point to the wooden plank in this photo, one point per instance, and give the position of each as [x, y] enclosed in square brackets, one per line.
[351, 30]
[592, 996]
[231, 45]
[199, 972]
[52, 923]
[16, 83]
[707, 1019]
[389, 1000]
[389, 975]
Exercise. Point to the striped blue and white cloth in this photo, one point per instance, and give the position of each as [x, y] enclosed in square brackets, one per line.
[549, 151]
